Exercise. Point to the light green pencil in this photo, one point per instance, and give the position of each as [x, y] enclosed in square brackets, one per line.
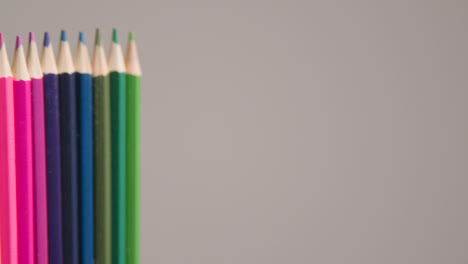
[133, 151]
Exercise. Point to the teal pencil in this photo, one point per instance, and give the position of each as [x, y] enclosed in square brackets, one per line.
[118, 120]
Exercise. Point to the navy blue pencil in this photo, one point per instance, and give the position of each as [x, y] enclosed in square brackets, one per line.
[84, 86]
[69, 139]
[53, 151]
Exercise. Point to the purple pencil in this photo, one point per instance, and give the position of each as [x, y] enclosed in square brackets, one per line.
[39, 152]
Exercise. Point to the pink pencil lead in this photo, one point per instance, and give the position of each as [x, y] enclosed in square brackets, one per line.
[31, 37]
[18, 42]
[1, 40]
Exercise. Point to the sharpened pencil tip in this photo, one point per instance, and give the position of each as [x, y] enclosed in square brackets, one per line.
[82, 38]
[115, 36]
[98, 37]
[1, 40]
[31, 37]
[63, 36]
[18, 42]
[131, 36]
[46, 39]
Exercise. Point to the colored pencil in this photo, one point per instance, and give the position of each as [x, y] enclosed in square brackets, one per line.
[102, 154]
[84, 86]
[53, 151]
[118, 112]
[24, 156]
[133, 151]
[39, 152]
[69, 138]
[8, 212]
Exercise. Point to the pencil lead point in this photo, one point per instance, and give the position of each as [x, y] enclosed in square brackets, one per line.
[63, 36]
[18, 42]
[31, 37]
[1, 40]
[82, 38]
[98, 37]
[46, 39]
[131, 36]
[115, 36]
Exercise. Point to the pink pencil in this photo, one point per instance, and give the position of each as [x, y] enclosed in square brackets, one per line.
[24, 157]
[39, 154]
[8, 213]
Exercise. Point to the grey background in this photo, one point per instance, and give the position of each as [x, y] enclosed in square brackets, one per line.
[292, 131]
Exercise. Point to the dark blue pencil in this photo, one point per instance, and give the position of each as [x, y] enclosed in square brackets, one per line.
[53, 151]
[84, 87]
[69, 139]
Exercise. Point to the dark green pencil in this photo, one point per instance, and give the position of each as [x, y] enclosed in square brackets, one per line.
[102, 154]
[118, 89]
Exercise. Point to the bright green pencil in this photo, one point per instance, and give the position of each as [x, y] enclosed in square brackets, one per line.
[133, 152]
[118, 88]
[102, 154]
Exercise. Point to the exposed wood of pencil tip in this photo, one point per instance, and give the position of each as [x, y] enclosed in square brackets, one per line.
[64, 57]
[82, 62]
[5, 69]
[99, 63]
[48, 63]
[116, 60]
[34, 65]
[19, 67]
[132, 61]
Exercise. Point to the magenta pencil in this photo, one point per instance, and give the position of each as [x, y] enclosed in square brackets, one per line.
[24, 157]
[39, 152]
[8, 213]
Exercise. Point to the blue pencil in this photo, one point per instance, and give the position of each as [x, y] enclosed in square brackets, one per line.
[84, 86]
[69, 139]
[53, 151]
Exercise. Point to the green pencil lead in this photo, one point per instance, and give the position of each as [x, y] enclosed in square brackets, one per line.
[115, 37]
[98, 37]
[131, 36]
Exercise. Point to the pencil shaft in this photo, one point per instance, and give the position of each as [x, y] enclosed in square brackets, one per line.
[69, 129]
[85, 116]
[24, 169]
[118, 120]
[54, 175]
[103, 171]
[133, 168]
[40, 179]
[8, 213]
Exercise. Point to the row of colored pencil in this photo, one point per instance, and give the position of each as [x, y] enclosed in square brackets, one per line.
[69, 153]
